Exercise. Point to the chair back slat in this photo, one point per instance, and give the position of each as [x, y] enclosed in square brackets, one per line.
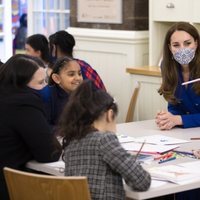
[132, 104]
[24, 185]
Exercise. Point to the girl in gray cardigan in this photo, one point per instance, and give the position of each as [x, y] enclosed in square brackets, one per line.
[91, 148]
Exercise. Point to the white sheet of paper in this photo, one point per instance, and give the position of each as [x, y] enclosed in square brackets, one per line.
[148, 148]
[193, 166]
[56, 164]
[55, 168]
[161, 139]
[126, 138]
[180, 174]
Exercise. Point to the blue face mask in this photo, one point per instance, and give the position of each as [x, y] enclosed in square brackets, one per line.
[35, 91]
[43, 93]
[184, 56]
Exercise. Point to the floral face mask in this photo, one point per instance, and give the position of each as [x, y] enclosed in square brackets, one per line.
[184, 56]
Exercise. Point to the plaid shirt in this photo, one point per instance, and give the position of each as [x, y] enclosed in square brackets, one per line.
[101, 158]
[89, 73]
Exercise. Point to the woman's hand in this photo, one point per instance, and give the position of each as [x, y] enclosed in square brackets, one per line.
[166, 121]
[196, 153]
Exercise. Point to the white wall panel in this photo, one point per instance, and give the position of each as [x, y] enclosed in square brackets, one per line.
[110, 52]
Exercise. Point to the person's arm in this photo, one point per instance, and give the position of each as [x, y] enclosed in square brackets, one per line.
[34, 130]
[196, 153]
[188, 120]
[191, 120]
[124, 163]
[174, 109]
[89, 73]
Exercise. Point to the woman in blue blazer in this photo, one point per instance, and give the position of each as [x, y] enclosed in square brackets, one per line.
[181, 63]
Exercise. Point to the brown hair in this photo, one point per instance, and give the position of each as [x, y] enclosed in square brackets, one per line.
[169, 67]
[85, 105]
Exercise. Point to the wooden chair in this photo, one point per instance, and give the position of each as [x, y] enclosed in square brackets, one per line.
[29, 186]
[132, 104]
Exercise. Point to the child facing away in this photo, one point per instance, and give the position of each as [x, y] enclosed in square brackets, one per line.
[91, 147]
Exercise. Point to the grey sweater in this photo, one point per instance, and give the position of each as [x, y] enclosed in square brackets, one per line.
[101, 158]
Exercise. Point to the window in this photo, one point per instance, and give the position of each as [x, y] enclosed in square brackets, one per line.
[5, 30]
[48, 16]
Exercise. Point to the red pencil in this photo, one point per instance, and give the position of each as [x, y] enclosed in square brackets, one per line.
[164, 156]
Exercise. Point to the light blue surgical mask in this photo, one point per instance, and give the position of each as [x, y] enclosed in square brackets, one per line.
[184, 56]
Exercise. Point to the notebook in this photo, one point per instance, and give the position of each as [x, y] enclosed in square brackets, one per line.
[178, 174]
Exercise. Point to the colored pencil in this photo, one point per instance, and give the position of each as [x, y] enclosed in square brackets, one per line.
[136, 156]
[166, 160]
[195, 138]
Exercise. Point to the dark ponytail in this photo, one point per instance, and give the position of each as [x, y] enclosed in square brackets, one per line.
[86, 104]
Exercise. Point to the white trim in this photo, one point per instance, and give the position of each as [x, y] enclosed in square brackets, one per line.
[7, 30]
[115, 35]
[51, 11]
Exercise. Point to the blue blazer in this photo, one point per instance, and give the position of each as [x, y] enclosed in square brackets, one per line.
[189, 105]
